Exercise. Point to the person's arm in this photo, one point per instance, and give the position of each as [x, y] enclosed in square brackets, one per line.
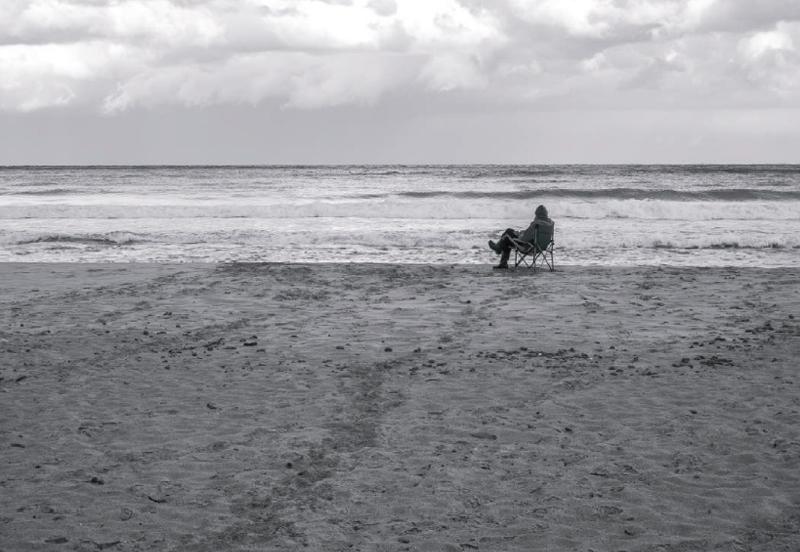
[529, 233]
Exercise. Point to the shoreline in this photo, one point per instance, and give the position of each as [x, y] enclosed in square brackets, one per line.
[569, 266]
[398, 407]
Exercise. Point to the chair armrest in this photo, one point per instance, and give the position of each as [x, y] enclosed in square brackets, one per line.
[522, 245]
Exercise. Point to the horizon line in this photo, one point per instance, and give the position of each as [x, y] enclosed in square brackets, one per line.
[323, 165]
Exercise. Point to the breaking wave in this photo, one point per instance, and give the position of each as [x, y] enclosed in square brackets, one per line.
[47, 192]
[108, 239]
[725, 245]
[435, 208]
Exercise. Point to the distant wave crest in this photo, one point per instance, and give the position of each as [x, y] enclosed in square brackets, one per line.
[735, 194]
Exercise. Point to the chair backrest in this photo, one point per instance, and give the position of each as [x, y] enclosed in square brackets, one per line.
[543, 234]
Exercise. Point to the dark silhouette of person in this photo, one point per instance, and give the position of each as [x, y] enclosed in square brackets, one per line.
[503, 246]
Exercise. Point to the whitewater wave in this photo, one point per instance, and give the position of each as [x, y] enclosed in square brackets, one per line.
[390, 238]
[565, 243]
[730, 194]
[46, 192]
[428, 209]
[116, 238]
[723, 245]
[367, 241]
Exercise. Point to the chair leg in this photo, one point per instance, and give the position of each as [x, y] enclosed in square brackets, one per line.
[529, 259]
[520, 258]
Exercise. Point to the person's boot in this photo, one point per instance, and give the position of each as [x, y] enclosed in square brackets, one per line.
[503, 260]
[495, 247]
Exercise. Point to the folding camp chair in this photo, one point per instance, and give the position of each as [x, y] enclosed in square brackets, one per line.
[535, 254]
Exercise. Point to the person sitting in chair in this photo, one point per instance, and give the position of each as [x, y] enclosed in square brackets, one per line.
[503, 246]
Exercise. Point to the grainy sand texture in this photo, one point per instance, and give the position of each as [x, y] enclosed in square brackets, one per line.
[379, 407]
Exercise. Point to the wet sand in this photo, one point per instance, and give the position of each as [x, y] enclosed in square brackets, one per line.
[379, 407]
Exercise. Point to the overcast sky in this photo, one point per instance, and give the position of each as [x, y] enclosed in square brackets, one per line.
[405, 81]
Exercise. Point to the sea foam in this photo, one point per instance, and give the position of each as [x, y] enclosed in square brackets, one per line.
[389, 208]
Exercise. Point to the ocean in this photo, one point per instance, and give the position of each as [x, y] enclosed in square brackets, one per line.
[718, 215]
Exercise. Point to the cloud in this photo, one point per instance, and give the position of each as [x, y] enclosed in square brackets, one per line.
[300, 80]
[756, 46]
[384, 7]
[741, 15]
[45, 75]
[115, 55]
[154, 22]
[770, 60]
[452, 72]
[593, 18]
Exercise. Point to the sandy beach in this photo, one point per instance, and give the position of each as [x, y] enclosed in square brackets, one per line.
[398, 407]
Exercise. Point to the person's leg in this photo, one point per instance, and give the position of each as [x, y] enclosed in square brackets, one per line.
[504, 247]
[506, 253]
[503, 243]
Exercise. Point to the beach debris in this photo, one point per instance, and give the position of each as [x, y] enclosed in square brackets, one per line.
[484, 435]
[211, 406]
[714, 360]
[56, 540]
[96, 481]
[101, 545]
[215, 343]
[591, 306]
